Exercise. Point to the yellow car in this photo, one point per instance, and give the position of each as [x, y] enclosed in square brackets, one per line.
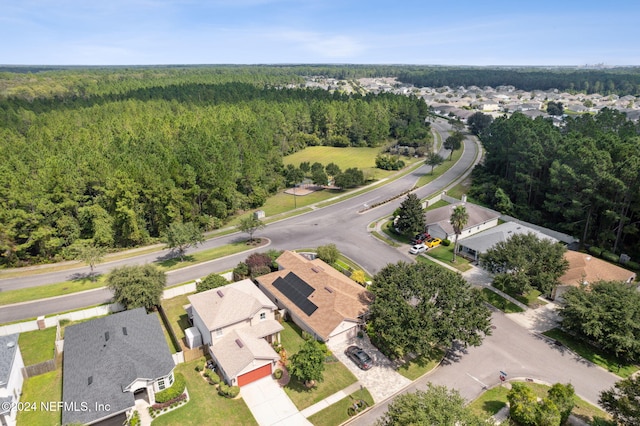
[432, 242]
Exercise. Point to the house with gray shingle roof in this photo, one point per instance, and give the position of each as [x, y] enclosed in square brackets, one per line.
[111, 361]
[11, 379]
[237, 324]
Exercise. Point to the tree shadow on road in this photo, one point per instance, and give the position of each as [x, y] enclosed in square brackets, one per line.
[454, 354]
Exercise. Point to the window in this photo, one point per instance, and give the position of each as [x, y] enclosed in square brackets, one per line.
[170, 378]
[218, 332]
[263, 316]
[161, 384]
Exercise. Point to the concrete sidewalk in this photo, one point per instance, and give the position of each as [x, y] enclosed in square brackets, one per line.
[331, 399]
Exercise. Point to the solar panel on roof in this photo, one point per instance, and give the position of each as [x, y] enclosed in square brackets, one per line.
[297, 291]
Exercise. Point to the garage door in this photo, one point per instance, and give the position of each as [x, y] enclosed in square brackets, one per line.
[254, 375]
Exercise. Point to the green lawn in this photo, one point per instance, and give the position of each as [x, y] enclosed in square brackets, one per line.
[361, 158]
[45, 387]
[37, 346]
[167, 336]
[336, 375]
[491, 401]
[420, 366]
[592, 354]
[337, 413]
[530, 298]
[205, 406]
[420, 258]
[444, 254]
[500, 302]
[176, 314]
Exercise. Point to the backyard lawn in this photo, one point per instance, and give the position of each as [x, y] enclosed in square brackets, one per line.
[205, 406]
[336, 375]
[445, 254]
[37, 346]
[177, 315]
[45, 387]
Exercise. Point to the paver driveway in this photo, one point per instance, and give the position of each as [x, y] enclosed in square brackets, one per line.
[381, 380]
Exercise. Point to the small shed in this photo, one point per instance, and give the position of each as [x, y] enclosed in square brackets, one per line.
[193, 337]
[259, 214]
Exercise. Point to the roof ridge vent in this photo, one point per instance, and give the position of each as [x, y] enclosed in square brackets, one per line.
[328, 289]
[239, 343]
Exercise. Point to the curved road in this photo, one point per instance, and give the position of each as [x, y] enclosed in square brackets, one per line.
[340, 223]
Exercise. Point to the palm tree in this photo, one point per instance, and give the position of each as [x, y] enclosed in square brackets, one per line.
[459, 219]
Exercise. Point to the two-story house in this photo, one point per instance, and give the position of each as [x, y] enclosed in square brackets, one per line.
[237, 323]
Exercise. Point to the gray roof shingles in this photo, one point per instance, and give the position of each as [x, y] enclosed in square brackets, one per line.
[8, 348]
[112, 364]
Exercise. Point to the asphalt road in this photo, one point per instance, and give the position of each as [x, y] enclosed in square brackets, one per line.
[514, 350]
[344, 224]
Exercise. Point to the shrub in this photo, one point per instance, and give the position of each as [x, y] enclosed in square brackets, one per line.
[596, 251]
[632, 265]
[174, 391]
[610, 257]
[199, 367]
[277, 374]
[135, 419]
[446, 242]
[306, 336]
[161, 406]
[215, 379]
[228, 391]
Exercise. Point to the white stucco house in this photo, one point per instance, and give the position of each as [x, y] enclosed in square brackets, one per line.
[480, 218]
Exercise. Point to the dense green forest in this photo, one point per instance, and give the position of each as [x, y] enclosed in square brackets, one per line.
[35, 82]
[115, 162]
[583, 178]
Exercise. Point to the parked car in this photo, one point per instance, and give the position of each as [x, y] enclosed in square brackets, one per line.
[420, 238]
[432, 242]
[418, 248]
[360, 357]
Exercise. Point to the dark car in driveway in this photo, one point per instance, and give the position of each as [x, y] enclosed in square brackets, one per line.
[360, 357]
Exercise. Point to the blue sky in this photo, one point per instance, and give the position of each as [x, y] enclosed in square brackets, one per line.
[480, 32]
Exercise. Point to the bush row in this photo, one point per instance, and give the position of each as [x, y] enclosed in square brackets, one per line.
[162, 405]
[228, 391]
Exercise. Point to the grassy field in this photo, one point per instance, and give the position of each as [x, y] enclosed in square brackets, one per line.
[491, 401]
[420, 366]
[500, 302]
[337, 413]
[37, 346]
[45, 387]
[345, 158]
[336, 375]
[592, 354]
[205, 406]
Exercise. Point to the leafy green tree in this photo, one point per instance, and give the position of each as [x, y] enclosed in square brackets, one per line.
[211, 281]
[293, 175]
[319, 177]
[555, 108]
[524, 262]
[180, 236]
[453, 143]
[419, 306]
[137, 286]
[91, 255]
[621, 401]
[435, 406]
[249, 225]
[479, 122]
[411, 217]
[523, 404]
[332, 169]
[307, 365]
[606, 313]
[350, 178]
[328, 253]
[562, 395]
[434, 159]
[459, 219]
[305, 167]
[547, 413]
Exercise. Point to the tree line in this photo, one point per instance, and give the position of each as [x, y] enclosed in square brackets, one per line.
[582, 179]
[118, 170]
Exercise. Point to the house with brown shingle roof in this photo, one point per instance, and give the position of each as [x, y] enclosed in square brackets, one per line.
[585, 269]
[319, 299]
[237, 324]
[438, 220]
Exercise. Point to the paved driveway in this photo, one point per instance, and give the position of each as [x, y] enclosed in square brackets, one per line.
[381, 380]
[270, 405]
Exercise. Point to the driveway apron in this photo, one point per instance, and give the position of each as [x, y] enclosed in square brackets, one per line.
[270, 405]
